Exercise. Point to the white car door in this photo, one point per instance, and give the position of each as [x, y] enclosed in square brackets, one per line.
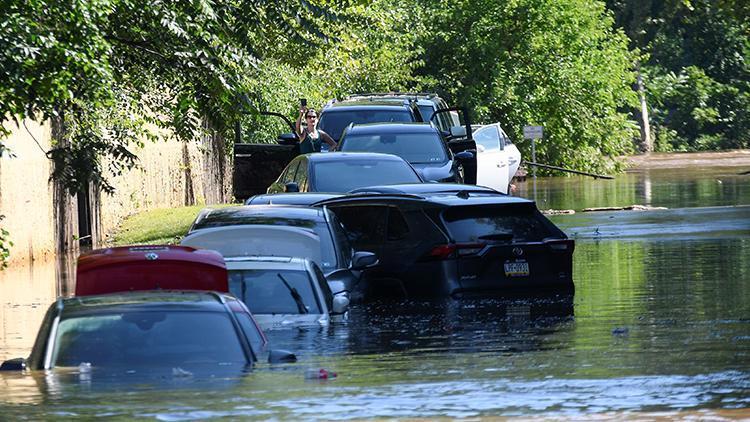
[512, 152]
[492, 160]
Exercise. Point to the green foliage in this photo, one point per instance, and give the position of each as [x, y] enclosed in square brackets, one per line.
[5, 245]
[553, 63]
[698, 78]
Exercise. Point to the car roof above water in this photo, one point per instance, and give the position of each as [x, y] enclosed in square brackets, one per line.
[199, 300]
[287, 215]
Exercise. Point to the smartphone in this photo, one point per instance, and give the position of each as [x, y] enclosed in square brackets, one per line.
[303, 102]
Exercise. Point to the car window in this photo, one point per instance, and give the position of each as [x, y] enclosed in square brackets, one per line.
[264, 292]
[416, 148]
[334, 121]
[398, 229]
[491, 223]
[426, 110]
[345, 175]
[254, 336]
[366, 225]
[488, 137]
[147, 338]
[301, 176]
[324, 287]
[290, 172]
[341, 241]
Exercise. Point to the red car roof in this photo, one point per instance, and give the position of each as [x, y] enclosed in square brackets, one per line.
[128, 268]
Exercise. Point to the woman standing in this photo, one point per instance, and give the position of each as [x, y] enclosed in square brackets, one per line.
[309, 136]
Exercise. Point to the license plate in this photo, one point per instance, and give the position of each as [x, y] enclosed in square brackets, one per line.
[516, 269]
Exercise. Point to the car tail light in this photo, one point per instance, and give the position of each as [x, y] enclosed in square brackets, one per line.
[452, 250]
[565, 245]
[442, 251]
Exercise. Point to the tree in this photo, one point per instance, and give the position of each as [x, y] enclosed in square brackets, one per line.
[559, 64]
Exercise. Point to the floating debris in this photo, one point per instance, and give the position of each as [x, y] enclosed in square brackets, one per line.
[627, 208]
[557, 212]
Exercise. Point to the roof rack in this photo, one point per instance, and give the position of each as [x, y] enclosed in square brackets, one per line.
[416, 95]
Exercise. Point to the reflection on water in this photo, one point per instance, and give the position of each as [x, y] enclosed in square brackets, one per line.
[659, 323]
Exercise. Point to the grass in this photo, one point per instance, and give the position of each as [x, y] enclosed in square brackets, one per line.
[160, 226]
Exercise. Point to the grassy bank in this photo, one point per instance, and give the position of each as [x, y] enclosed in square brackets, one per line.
[160, 226]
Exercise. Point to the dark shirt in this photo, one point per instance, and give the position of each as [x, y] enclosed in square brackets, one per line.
[310, 144]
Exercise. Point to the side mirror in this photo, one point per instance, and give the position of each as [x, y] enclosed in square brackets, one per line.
[364, 259]
[291, 187]
[458, 132]
[281, 356]
[464, 155]
[340, 304]
[287, 139]
[480, 148]
[17, 364]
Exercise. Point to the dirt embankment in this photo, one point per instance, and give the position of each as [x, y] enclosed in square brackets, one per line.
[739, 158]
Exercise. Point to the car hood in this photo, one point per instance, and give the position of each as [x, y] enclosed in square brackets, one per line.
[232, 241]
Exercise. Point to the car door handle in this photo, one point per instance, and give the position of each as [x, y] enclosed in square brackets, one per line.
[513, 161]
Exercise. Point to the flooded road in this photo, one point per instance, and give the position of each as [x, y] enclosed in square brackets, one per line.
[659, 327]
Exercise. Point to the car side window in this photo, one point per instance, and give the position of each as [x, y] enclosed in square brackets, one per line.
[252, 332]
[301, 176]
[324, 287]
[366, 225]
[398, 229]
[488, 137]
[343, 246]
[290, 172]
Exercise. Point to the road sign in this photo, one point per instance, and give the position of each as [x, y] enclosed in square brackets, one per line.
[533, 132]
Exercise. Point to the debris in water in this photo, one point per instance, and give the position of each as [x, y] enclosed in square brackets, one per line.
[319, 374]
[620, 331]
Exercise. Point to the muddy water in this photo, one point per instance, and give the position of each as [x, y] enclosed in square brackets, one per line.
[659, 327]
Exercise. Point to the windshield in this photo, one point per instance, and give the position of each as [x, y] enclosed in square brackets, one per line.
[500, 223]
[333, 122]
[148, 338]
[264, 292]
[416, 148]
[343, 176]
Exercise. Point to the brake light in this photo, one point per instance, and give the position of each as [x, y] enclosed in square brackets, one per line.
[453, 249]
[442, 251]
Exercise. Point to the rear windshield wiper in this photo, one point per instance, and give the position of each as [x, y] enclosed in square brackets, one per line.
[497, 236]
[301, 308]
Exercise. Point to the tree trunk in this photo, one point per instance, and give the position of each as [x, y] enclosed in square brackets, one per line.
[646, 145]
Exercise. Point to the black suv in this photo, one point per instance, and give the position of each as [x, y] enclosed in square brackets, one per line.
[337, 115]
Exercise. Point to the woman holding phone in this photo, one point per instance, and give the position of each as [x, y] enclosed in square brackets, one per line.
[310, 138]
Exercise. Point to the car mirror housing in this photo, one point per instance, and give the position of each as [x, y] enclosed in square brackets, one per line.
[287, 139]
[17, 364]
[464, 155]
[364, 259]
[291, 187]
[340, 304]
[281, 356]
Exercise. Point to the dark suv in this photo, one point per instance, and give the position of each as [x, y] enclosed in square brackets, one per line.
[337, 115]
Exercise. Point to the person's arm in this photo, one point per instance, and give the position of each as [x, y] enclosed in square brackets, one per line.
[298, 125]
[326, 137]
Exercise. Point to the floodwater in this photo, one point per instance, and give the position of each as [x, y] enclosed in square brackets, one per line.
[659, 328]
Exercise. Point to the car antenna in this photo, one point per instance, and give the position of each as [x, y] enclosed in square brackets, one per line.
[463, 194]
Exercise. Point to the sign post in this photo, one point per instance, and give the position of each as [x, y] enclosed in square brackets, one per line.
[533, 133]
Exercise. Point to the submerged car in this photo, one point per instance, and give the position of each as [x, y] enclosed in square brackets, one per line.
[342, 172]
[421, 144]
[281, 291]
[498, 158]
[151, 333]
[277, 230]
[455, 240]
